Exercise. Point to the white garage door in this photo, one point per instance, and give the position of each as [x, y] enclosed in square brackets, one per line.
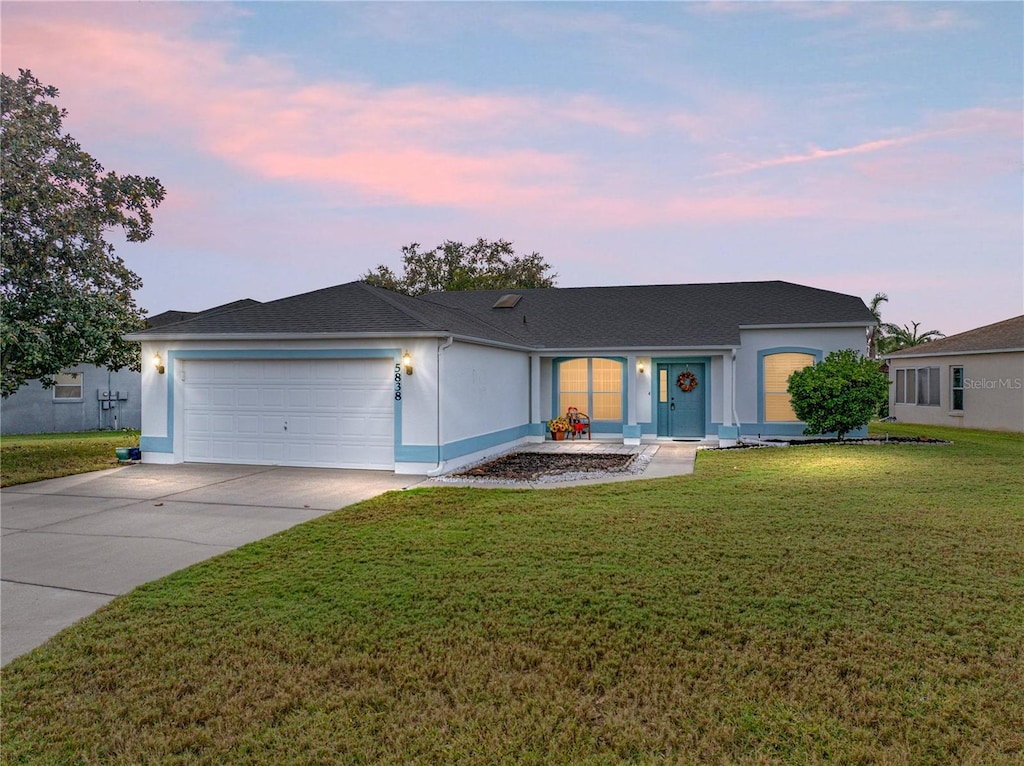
[321, 412]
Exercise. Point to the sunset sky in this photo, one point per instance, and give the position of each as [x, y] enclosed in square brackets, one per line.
[856, 147]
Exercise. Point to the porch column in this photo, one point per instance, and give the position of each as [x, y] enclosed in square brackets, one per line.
[630, 429]
[728, 432]
[536, 427]
[727, 389]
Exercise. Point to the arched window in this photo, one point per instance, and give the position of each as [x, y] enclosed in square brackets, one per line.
[777, 369]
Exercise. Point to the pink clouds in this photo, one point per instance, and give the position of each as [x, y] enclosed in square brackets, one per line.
[417, 145]
[430, 145]
[816, 154]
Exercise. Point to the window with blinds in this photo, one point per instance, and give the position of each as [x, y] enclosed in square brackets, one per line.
[777, 369]
[591, 385]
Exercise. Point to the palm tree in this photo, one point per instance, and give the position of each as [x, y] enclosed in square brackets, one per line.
[896, 337]
[875, 333]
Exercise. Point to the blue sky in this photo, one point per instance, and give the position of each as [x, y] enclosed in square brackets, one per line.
[857, 147]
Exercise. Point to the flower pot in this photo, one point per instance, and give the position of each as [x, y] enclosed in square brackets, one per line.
[122, 453]
[134, 453]
[558, 435]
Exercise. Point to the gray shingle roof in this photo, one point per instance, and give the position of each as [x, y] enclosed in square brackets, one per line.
[656, 316]
[173, 317]
[1000, 336]
[651, 316]
[354, 308]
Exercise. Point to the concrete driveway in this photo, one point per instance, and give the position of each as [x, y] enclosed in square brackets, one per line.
[71, 545]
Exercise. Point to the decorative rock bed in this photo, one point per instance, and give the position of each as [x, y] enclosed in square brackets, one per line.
[547, 467]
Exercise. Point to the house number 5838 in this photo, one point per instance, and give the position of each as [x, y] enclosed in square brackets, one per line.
[398, 382]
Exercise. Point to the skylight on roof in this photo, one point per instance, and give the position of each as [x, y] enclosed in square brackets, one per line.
[507, 301]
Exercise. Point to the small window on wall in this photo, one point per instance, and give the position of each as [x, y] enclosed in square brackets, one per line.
[956, 378]
[777, 369]
[67, 386]
[593, 386]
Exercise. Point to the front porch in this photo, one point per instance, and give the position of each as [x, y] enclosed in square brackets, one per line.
[639, 398]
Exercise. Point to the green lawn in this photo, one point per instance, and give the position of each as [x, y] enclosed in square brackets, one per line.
[46, 456]
[849, 604]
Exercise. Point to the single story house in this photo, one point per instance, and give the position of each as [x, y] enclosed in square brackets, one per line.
[361, 377]
[973, 380]
[87, 397]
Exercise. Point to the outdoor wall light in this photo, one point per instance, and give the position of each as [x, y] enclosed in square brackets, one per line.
[640, 367]
[407, 362]
[158, 362]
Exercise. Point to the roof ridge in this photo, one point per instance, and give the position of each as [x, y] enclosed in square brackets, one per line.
[391, 298]
[979, 335]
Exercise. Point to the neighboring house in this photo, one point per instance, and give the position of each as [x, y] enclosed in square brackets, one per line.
[974, 379]
[86, 397]
[358, 376]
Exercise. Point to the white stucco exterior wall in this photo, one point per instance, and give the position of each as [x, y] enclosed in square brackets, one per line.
[484, 390]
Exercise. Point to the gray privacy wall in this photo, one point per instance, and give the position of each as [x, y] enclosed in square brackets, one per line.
[34, 410]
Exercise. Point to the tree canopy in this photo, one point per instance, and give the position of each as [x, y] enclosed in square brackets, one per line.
[453, 265]
[886, 337]
[838, 394]
[67, 298]
[896, 337]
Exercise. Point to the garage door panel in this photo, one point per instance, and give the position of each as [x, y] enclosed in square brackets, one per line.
[247, 397]
[299, 399]
[272, 397]
[338, 412]
[327, 426]
[272, 425]
[248, 425]
[224, 424]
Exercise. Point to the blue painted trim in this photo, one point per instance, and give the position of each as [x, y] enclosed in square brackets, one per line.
[728, 432]
[773, 430]
[556, 364]
[538, 429]
[166, 443]
[416, 453]
[632, 432]
[656, 386]
[156, 444]
[483, 441]
[762, 424]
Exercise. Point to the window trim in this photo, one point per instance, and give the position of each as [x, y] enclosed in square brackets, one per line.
[912, 393]
[817, 353]
[954, 389]
[557, 388]
[78, 379]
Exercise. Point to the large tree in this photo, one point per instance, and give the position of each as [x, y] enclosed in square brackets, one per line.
[67, 298]
[838, 394]
[452, 265]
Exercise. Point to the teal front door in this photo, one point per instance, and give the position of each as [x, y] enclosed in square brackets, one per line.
[681, 413]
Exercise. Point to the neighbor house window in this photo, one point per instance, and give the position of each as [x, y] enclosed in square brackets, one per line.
[918, 386]
[956, 386]
[67, 385]
[593, 386]
[777, 369]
